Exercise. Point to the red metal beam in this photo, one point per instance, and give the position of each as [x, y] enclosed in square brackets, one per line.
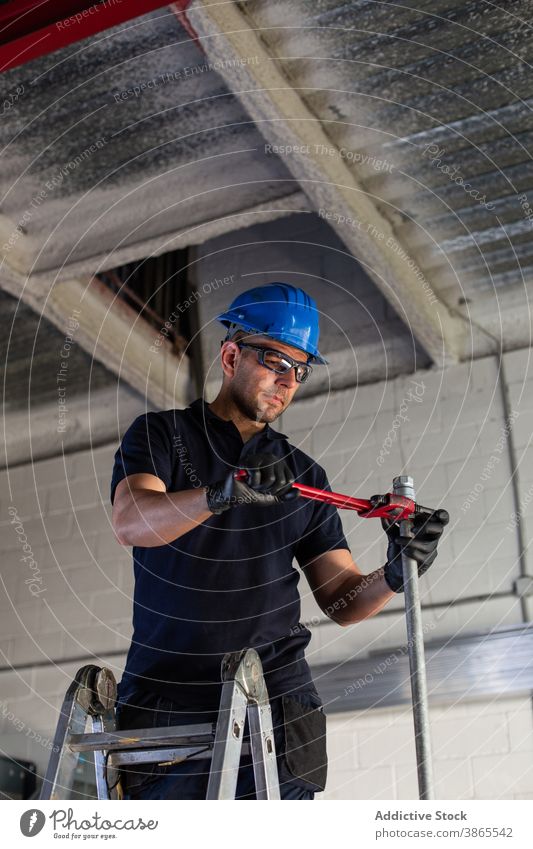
[22, 17]
[32, 28]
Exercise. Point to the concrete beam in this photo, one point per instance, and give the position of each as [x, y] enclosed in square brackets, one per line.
[112, 333]
[26, 252]
[92, 420]
[285, 122]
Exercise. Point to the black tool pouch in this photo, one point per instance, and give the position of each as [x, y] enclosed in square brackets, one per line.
[304, 755]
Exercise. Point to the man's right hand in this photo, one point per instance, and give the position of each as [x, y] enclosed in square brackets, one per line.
[269, 481]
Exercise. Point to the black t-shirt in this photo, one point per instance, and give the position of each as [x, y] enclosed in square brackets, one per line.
[230, 583]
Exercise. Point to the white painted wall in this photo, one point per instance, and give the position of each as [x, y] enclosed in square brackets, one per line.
[483, 750]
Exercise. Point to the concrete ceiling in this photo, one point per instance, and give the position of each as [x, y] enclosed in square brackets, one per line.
[427, 107]
[99, 174]
[139, 141]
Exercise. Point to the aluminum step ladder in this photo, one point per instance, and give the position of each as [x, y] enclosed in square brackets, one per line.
[92, 695]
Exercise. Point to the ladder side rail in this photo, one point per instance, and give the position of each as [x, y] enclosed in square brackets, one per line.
[106, 772]
[59, 778]
[229, 733]
[263, 751]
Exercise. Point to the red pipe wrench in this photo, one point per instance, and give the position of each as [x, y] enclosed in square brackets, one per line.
[388, 506]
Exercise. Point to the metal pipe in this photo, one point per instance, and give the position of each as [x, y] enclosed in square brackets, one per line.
[403, 485]
[515, 480]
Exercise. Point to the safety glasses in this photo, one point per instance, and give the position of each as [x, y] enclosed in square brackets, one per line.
[280, 363]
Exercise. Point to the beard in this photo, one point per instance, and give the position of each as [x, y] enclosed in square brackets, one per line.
[250, 408]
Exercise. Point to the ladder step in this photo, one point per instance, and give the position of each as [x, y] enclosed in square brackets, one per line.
[174, 755]
[173, 735]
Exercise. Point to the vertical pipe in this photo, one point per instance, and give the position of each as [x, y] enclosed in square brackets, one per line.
[403, 485]
[515, 479]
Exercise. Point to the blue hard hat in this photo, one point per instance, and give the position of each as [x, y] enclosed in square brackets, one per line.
[280, 311]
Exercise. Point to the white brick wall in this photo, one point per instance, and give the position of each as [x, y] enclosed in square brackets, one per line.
[85, 603]
[481, 750]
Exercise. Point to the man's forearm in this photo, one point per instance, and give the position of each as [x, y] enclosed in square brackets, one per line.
[359, 597]
[154, 518]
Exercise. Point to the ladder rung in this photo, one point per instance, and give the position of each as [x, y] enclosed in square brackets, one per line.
[175, 755]
[173, 735]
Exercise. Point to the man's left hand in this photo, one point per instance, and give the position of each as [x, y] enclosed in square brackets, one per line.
[427, 528]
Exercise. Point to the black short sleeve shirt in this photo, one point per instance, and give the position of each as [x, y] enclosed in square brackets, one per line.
[230, 583]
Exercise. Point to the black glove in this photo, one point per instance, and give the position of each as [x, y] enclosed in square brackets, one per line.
[269, 481]
[427, 528]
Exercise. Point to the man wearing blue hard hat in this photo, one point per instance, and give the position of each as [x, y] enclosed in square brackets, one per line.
[213, 555]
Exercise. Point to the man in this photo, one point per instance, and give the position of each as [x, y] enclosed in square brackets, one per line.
[213, 556]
